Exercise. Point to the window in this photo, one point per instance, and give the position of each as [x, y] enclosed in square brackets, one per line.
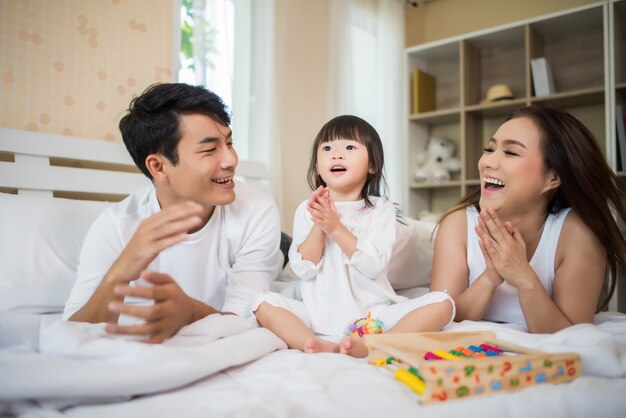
[207, 45]
[221, 42]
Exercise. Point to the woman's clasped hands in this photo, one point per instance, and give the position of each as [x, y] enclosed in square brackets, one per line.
[504, 251]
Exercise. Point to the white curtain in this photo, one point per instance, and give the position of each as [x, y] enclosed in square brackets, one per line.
[233, 55]
[366, 75]
[253, 103]
[230, 39]
[213, 47]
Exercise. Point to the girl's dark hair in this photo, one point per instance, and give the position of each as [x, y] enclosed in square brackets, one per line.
[151, 124]
[588, 185]
[356, 129]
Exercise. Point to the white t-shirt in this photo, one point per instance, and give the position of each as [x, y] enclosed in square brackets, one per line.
[338, 290]
[505, 306]
[232, 258]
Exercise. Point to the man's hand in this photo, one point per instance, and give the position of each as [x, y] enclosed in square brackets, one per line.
[171, 311]
[156, 233]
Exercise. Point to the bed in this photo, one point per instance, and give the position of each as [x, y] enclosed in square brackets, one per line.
[52, 187]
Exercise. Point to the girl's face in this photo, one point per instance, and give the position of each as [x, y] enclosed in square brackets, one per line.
[513, 175]
[343, 164]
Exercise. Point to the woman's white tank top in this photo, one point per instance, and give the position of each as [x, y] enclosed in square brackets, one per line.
[505, 306]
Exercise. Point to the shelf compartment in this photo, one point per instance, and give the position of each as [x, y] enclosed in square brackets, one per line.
[447, 125]
[572, 45]
[593, 117]
[494, 58]
[442, 62]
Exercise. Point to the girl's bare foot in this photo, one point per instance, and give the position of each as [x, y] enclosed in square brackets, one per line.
[318, 345]
[353, 347]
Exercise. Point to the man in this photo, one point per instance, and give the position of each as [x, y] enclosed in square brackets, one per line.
[190, 245]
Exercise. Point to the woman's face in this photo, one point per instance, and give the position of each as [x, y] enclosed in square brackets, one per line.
[513, 175]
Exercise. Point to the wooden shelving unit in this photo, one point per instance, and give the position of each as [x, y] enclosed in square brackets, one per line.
[586, 49]
[575, 44]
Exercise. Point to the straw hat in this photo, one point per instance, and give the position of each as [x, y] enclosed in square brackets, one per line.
[496, 93]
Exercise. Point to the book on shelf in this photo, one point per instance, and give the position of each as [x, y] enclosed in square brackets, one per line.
[423, 92]
[620, 120]
[543, 79]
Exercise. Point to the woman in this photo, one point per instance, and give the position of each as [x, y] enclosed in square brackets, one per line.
[532, 245]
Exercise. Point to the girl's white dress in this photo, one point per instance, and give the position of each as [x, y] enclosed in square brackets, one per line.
[339, 290]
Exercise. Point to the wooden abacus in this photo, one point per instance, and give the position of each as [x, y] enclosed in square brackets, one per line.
[464, 368]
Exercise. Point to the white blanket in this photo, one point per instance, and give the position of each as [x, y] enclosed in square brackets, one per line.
[73, 362]
[289, 383]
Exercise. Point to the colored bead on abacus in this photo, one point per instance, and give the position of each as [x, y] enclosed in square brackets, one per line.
[485, 350]
[446, 355]
[431, 356]
[488, 347]
[414, 371]
[418, 386]
[469, 353]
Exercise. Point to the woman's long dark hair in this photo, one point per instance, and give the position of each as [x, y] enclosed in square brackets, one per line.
[588, 185]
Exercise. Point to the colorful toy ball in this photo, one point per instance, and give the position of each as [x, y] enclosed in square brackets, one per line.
[364, 326]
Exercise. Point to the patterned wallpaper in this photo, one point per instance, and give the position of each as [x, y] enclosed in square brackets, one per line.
[71, 67]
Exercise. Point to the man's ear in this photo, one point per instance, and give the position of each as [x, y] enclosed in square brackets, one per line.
[154, 164]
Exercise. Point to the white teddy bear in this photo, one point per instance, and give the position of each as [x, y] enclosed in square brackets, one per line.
[437, 161]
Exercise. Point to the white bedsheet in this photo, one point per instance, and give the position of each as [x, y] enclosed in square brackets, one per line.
[72, 363]
[288, 383]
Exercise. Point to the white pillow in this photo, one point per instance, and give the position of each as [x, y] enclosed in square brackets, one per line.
[411, 261]
[410, 265]
[39, 249]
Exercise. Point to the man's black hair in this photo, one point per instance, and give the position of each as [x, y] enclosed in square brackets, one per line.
[151, 124]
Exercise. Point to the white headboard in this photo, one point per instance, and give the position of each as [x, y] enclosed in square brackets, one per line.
[61, 166]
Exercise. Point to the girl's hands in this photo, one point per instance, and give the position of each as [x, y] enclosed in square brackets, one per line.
[504, 250]
[321, 191]
[323, 210]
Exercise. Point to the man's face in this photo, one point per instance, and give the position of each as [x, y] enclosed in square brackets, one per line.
[206, 165]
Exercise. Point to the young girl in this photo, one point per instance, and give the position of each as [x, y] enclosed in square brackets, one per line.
[531, 246]
[343, 236]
